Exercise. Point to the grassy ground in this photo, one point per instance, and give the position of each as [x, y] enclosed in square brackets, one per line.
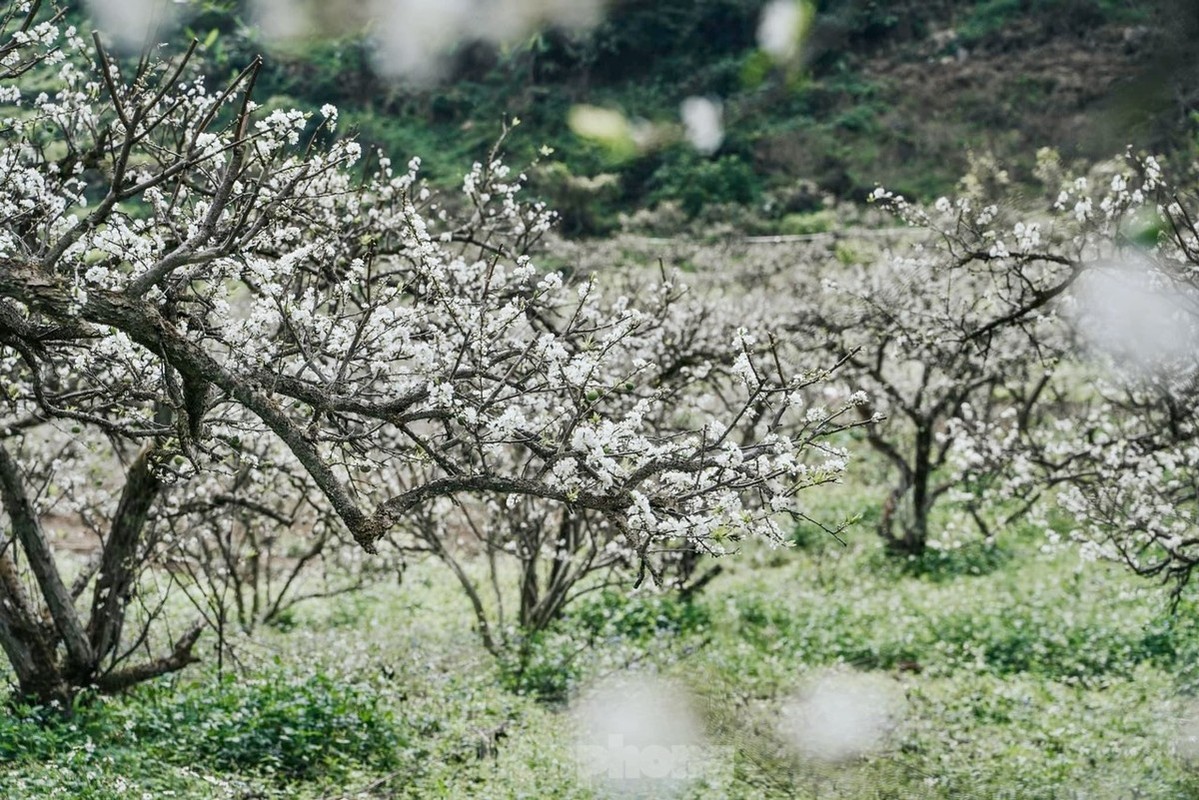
[1016, 673]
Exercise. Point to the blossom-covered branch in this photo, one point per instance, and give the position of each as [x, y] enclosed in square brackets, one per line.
[186, 271]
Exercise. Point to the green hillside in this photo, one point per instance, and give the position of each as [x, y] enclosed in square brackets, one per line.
[900, 93]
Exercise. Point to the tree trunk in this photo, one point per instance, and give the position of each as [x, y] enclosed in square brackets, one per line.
[910, 501]
[119, 563]
[27, 530]
[28, 643]
[32, 630]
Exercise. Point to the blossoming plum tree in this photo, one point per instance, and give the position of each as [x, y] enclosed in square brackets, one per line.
[211, 317]
[688, 380]
[960, 330]
[1121, 440]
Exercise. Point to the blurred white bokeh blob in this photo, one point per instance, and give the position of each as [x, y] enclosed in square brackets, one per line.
[131, 25]
[414, 37]
[1186, 743]
[703, 120]
[281, 20]
[1135, 315]
[606, 126]
[841, 715]
[781, 28]
[638, 736]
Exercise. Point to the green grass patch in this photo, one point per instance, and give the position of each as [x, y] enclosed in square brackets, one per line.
[1024, 673]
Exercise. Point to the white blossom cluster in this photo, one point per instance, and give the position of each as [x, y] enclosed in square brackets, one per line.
[958, 336]
[186, 269]
[1100, 423]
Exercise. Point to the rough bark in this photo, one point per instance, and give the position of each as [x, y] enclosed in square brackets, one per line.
[28, 531]
[146, 326]
[119, 563]
[180, 656]
[28, 644]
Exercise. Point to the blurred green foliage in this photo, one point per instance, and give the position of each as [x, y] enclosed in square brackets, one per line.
[840, 122]
[290, 725]
[550, 663]
[696, 182]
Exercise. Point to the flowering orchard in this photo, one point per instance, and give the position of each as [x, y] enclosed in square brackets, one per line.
[1040, 362]
[1115, 430]
[215, 333]
[231, 355]
[956, 330]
